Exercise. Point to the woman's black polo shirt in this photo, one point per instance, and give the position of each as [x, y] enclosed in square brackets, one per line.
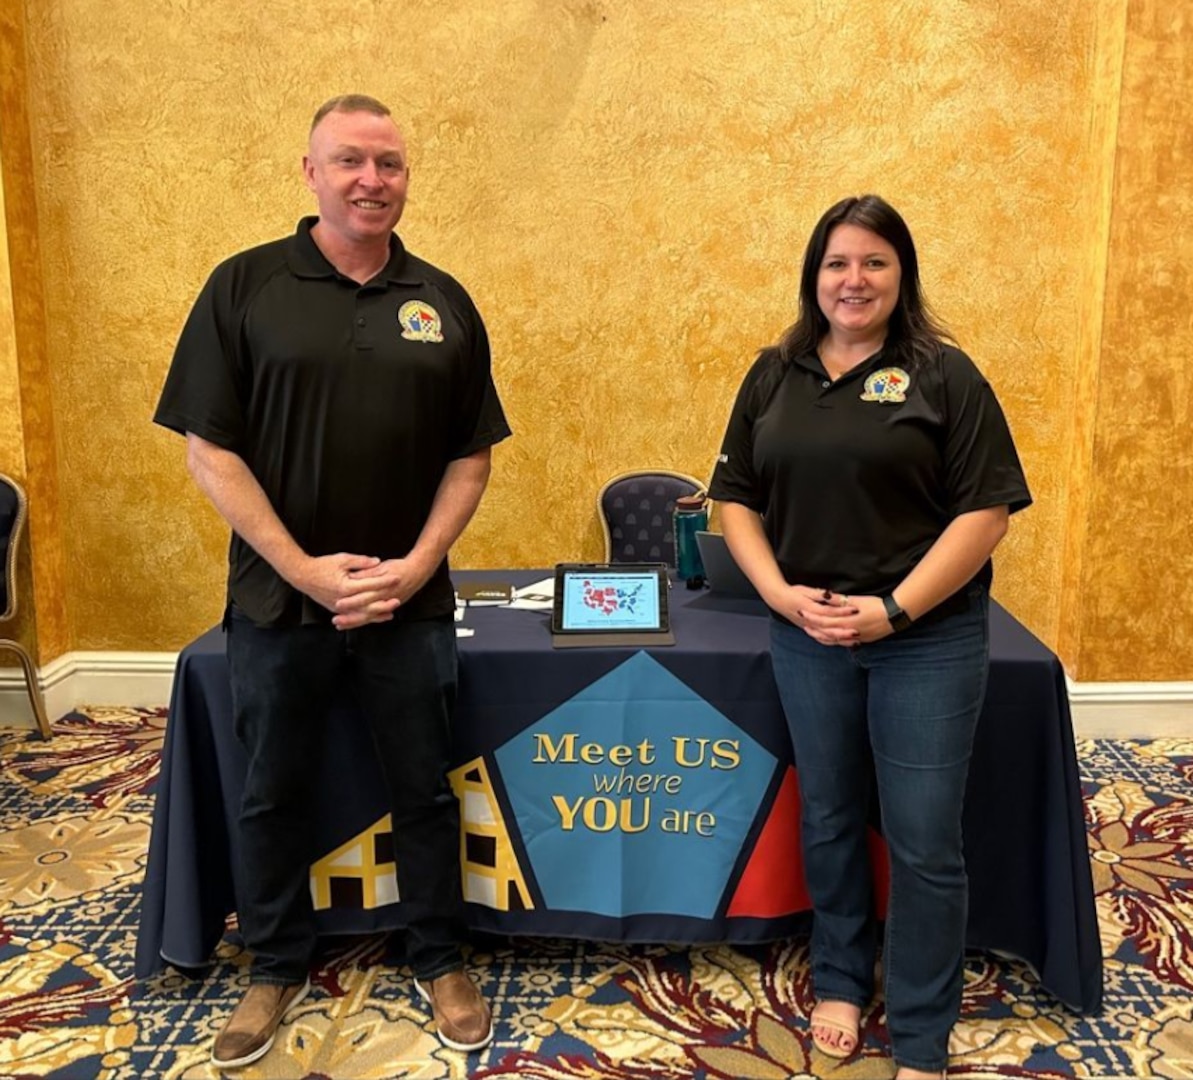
[347, 402]
[856, 480]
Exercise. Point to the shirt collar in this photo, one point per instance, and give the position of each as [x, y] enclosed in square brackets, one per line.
[307, 261]
[810, 361]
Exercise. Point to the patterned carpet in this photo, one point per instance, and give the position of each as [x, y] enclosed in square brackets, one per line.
[75, 817]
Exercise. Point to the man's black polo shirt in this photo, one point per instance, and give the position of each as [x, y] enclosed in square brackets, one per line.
[854, 484]
[347, 402]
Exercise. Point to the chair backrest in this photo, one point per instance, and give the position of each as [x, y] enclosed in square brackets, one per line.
[636, 510]
[12, 519]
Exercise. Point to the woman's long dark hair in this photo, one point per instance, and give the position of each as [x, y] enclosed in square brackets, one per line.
[914, 333]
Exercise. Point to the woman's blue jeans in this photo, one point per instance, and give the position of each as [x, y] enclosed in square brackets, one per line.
[403, 676]
[902, 710]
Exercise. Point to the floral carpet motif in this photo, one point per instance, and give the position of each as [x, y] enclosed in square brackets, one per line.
[75, 816]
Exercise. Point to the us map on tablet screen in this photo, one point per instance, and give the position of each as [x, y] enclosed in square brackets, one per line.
[608, 600]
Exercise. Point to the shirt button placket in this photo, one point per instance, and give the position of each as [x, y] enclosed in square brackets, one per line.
[360, 333]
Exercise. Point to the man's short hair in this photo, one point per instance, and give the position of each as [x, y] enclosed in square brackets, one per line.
[349, 103]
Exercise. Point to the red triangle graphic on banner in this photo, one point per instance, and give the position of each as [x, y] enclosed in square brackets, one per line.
[772, 883]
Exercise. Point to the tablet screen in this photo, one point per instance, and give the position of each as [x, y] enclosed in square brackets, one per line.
[592, 599]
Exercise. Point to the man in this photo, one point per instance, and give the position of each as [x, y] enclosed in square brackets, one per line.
[339, 411]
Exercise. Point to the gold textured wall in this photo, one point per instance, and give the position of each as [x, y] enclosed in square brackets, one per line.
[12, 449]
[1137, 617]
[624, 186]
[27, 447]
[1098, 163]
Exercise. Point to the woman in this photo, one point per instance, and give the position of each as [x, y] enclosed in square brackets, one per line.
[866, 477]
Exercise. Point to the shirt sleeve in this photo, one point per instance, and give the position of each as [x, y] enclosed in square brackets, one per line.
[205, 386]
[735, 479]
[982, 467]
[482, 420]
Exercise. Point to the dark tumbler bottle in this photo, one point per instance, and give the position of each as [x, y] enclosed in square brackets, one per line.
[691, 517]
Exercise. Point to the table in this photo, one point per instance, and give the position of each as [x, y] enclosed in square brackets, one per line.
[628, 794]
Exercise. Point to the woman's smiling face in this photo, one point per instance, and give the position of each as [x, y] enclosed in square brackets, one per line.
[857, 286]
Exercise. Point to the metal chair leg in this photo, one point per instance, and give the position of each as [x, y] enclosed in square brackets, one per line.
[31, 685]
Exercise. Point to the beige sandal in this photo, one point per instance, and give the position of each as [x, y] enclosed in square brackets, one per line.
[835, 1050]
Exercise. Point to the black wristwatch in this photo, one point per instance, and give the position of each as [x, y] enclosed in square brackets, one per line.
[898, 618]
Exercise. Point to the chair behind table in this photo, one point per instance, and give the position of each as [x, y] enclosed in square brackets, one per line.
[636, 511]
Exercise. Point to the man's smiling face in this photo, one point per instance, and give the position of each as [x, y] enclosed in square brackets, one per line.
[357, 168]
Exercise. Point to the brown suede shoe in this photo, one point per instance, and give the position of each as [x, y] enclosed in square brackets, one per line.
[461, 1015]
[250, 1030]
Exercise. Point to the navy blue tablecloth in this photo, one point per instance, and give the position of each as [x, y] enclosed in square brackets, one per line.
[1031, 891]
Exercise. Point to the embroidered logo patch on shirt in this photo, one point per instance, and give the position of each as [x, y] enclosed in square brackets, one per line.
[889, 385]
[420, 322]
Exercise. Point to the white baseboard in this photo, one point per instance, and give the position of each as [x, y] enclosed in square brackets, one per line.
[1131, 710]
[1100, 710]
[89, 678]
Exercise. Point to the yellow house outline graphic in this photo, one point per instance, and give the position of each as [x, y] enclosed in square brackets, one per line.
[361, 872]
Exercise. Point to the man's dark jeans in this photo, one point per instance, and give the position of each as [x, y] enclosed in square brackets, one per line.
[403, 675]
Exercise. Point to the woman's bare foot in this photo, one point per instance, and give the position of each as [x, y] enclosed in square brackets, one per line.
[834, 1027]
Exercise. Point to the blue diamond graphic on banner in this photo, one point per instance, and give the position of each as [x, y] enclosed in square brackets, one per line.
[635, 796]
